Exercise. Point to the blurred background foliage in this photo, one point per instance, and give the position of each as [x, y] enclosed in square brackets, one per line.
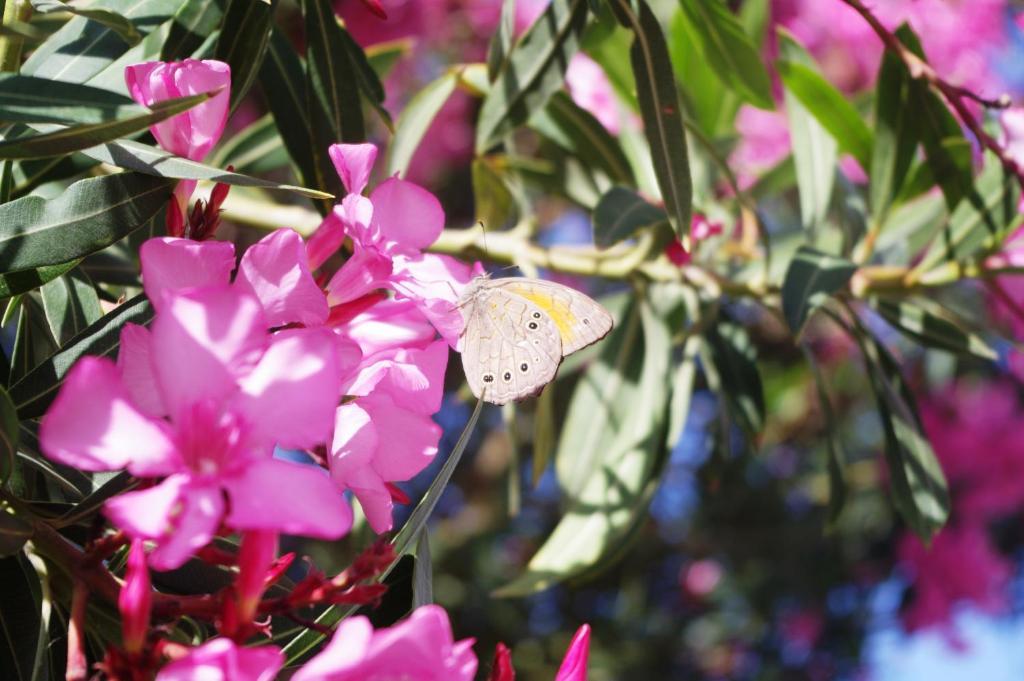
[811, 263]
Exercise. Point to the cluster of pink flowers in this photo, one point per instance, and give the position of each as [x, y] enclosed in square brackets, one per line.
[272, 352]
[973, 429]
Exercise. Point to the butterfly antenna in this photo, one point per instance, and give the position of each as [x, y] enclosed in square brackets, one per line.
[483, 228]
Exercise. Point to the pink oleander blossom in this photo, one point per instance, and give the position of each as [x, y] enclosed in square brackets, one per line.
[420, 648]
[701, 229]
[960, 568]
[592, 91]
[574, 665]
[764, 142]
[225, 392]
[222, 660]
[389, 230]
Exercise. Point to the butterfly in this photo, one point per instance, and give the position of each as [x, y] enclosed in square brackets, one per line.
[518, 330]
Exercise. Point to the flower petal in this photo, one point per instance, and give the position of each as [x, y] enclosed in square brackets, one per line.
[203, 340]
[289, 398]
[406, 213]
[353, 163]
[170, 265]
[574, 666]
[93, 425]
[435, 283]
[351, 456]
[276, 271]
[134, 361]
[222, 660]
[367, 270]
[388, 325]
[342, 654]
[293, 498]
[412, 438]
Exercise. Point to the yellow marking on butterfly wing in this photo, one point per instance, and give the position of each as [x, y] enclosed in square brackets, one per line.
[580, 320]
[559, 310]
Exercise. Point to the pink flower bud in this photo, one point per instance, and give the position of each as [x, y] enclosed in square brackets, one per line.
[194, 132]
[501, 669]
[135, 600]
[574, 666]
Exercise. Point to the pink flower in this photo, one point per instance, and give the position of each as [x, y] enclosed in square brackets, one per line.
[700, 229]
[961, 566]
[574, 665]
[764, 142]
[420, 648]
[135, 599]
[592, 91]
[223, 393]
[193, 133]
[389, 231]
[275, 270]
[501, 667]
[222, 660]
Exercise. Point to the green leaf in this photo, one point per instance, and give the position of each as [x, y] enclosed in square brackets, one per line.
[710, 104]
[305, 642]
[366, 77]
[733, 357]
[828, 106]
[933, 326]
[20, 619]
[620, 214]
[577, 131]
[534, 71]
[192, 24]
[22, 281]
[83, 48]
[729, 50]
[896, 134]
[8, 436]
[112, 20]
[496, 208]
[332, 91]
[659, 108]
[71, 305]
[609, 450]
[811, 278]
[423, 572]
[415, 120]
[243, 41]
[90, 215]
[981, 220]
[256, 149]
[918, 486]
[836, 454]
[501, 42]
[27, 99]
[945, 147]
[35, 391]
[815, 151]
[384, 56]
[150, 160]
[283, 80]
[78, 137]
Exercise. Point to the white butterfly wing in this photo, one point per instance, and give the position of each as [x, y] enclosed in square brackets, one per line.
[579, 319]
[510, 348]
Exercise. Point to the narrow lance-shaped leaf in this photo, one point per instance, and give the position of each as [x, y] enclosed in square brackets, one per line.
[733, 357]
[8, 436]
[659, 108]
[90, 215]
[191, 25]
[243, 41]
[332, 91]
[535, 70]
[501, 42]
[929, 324]
[77, 137]
[815, 151]
[811, 278]
[27, 99]
[22, 281]
[21, 622]
[982, 218]
[896, 134]
[837, 115]
[606, 499]
[836, 463]
[729, 50]
[284, 76]
[33, 394]
[71, 304]
[110, 19]
[415, 120]
[366, 77]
